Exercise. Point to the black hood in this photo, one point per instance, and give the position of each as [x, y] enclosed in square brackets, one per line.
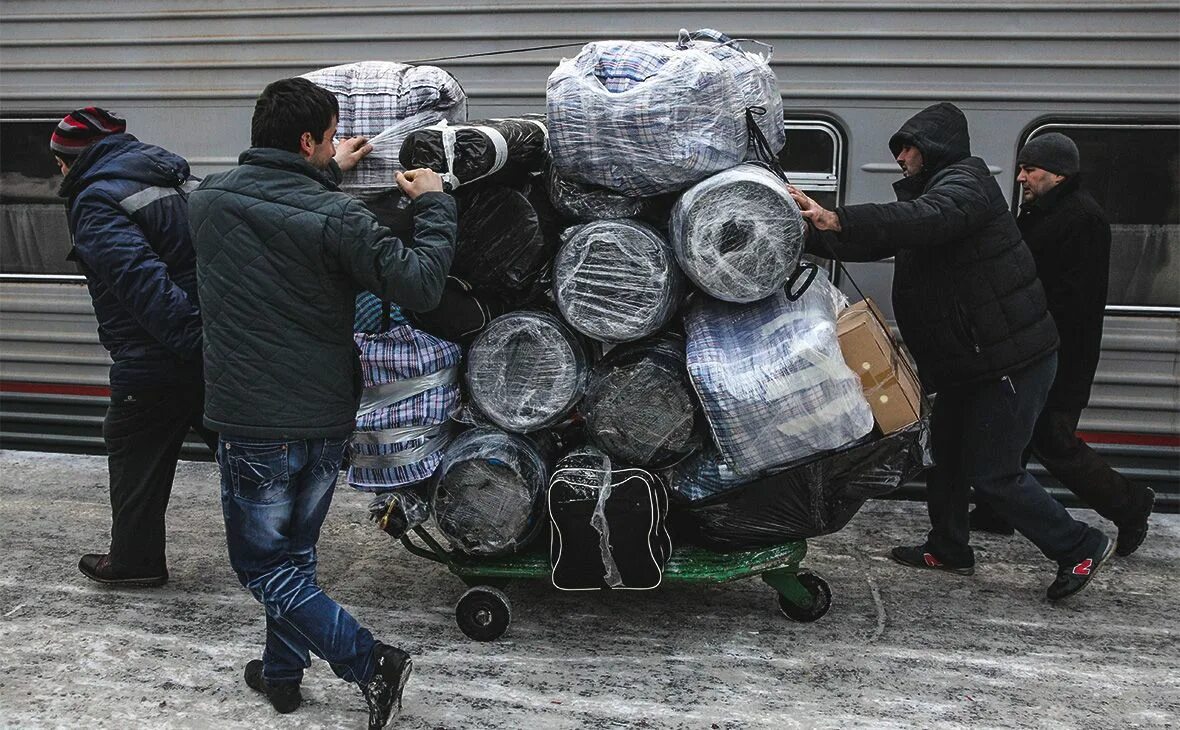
[939, 132]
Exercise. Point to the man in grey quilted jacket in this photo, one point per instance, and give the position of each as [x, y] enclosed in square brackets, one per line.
[281, 255]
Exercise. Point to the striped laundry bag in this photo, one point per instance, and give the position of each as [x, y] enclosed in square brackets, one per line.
[411, 390]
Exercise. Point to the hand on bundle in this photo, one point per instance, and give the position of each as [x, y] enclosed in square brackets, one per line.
[351, 151]
[814, 213]
[415, 182]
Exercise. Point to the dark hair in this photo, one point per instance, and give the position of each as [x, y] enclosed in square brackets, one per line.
[289, 107]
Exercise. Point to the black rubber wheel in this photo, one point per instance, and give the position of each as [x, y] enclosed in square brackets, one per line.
[821, 599]
[483, 613]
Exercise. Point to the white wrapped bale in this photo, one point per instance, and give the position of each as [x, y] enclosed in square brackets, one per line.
[738, 235]
[644, 118]
[488, 492]
[772, 380]
[616, 281]
[526, 371]
[385, 101]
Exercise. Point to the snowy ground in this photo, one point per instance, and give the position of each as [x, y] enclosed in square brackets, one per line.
[900, 648]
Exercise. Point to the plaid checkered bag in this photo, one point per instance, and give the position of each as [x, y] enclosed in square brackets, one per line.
[411, 392]
[772, 380]
[644, 118]
[385, 101]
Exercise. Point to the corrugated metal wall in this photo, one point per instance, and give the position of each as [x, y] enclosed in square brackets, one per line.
[185, 74]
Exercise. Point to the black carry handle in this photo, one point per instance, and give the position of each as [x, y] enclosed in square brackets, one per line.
[763, 155]
[385, 315]
[805, 269]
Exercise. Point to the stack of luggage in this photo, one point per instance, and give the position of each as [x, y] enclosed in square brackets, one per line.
[638, 356]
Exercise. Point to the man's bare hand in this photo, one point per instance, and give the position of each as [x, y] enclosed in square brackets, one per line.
[814, 213]
[351, 151]
[415, 182]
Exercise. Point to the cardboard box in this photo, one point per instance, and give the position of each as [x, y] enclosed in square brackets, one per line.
[886, 374]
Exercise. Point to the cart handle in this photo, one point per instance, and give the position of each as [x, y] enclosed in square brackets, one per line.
[436, 552]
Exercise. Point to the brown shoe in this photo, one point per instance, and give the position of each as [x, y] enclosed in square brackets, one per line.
[97, 567]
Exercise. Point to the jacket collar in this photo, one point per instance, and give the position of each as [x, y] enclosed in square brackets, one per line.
[1049, 200]
[283, 160]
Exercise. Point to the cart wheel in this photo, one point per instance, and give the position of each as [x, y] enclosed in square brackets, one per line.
[821, 599]
[483, 613]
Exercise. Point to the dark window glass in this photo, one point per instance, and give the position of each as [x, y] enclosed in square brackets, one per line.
[1134, 174]
[34, 234]
[808, 150]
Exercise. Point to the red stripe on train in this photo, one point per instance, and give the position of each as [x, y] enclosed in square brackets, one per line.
[1131, 439]
[12, 386]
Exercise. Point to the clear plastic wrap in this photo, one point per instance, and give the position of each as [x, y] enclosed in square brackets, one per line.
[644, 118]
[738, 235]
[526, 371]
[488, 493]
[385, 101]
[771, 378]
[502, 245]
[476, 150]
[580, 202]
[616, 281]
[816, 496]
[640, 407]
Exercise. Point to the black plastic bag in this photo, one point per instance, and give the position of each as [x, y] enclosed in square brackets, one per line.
[476, 150]
[502, 245]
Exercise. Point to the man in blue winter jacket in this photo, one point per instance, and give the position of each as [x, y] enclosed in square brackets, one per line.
[129, 220]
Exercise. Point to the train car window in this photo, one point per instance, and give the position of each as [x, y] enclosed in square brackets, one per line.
[34, 234]
[1133, 172]
[813, 159]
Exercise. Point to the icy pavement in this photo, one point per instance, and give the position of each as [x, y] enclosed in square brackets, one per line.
[899, 648]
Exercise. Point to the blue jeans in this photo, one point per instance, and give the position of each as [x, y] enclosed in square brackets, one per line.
[275, 496]
[978, 434]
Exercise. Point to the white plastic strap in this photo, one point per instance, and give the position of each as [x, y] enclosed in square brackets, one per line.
[386, 394]
[400, 458]
[394, 435]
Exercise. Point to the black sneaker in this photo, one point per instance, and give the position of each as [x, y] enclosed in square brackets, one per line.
[97, 567]
[1133, 529]
[985, 519]
[284, 696]
[385, 688]
[1073, 577]
[921, 557]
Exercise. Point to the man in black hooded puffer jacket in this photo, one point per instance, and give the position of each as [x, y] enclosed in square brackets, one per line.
[971, 310]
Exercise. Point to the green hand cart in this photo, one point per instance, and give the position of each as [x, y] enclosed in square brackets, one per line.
[484, 612]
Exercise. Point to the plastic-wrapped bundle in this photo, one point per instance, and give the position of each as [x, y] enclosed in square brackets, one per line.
[703, 475]
[580, 202]
[772, 380]
[526, 371]
[738, 235]
[616, 281]
[754, 77]
[639, 406]
[488, 492]
[411, 391]
[501, 244]
[464, 153]
[644, 118]
[385, 101]
[815, 497]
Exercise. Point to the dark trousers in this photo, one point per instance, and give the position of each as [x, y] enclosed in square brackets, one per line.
[1079, 469]
[978, 436]
[144, 430]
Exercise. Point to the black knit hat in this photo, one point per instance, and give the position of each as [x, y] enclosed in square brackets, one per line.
[82, 128]
[1053, 152]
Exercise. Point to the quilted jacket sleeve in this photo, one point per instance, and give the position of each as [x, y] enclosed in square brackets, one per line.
[945, 213]
[410, 276]
[116, 250]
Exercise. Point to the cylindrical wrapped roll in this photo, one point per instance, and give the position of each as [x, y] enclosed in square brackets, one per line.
[501, 243]
[738, 235]
[464, 153]
[616, 281]
[640, 407]
[488, 492]
[578, 201]
[526, 371]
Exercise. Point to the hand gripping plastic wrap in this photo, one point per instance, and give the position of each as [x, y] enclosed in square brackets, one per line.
[616, 281]
[640, 407]
[385, 101]
[488, 493]
[526, 371]
[738, 235]
[608, 524]
[411, 382]
[502, 245]
[644, 118]
[771, 378]
[816, 496]
[465, 153]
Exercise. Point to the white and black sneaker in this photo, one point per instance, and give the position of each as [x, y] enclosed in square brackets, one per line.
[385, 688]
